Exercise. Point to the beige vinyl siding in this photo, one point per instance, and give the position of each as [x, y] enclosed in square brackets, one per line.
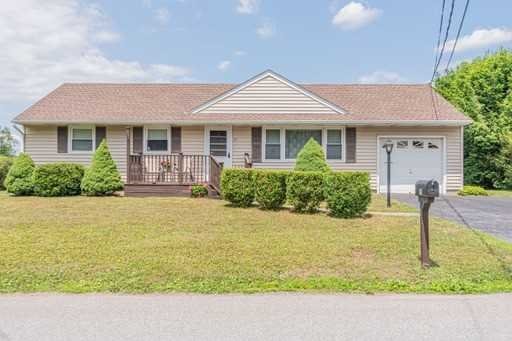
[366, 151]
[41, 145]
[268, 95]
[192, 140]
[241, 145]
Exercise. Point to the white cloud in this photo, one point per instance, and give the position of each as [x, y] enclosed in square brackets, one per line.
[224, 65]
[355, 15]
[247, 6]
[265, 30]
[106, 37]
[381, 77]
[162, 15]
[481, 38]
[47, 43]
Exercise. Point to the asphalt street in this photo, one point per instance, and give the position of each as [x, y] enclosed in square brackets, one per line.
[255, 317]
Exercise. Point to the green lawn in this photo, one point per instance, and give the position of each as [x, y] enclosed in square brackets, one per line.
[379, 205]
[82, 244]
[500, 193]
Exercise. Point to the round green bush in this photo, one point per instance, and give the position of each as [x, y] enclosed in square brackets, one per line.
[102, 177]
[311, 158]
[58, 179]
[5, 164]
[237, 186]
[198, 191]
[304, 190]
[19, 179]
[270, 187]
[348, 194]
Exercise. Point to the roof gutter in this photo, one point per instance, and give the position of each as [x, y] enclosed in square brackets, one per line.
[432, 123]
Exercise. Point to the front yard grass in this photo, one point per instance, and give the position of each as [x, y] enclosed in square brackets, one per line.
[142, 245]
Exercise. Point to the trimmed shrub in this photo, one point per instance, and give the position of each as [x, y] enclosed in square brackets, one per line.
[472, 190]
[198, 191]
[270, 187]
[304, 190]
[102, 177]
[237, 186]
[19, 180]
[5, 164]
[311, 158]
[348, 194]
[58, 179]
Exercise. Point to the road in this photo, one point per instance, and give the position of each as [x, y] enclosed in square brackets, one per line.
[255, 317]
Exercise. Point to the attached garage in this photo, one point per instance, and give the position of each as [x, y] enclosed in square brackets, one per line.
[412, 159]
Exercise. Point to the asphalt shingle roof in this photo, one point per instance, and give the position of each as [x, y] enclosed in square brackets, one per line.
[146, 103]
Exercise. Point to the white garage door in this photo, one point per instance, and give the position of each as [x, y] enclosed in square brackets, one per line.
[412, 159]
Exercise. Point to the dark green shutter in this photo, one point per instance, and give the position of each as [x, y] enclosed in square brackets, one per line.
[256, 147]
[62, 139]
[175, 139]
[351, 145]
[101, 134]
[137, 140]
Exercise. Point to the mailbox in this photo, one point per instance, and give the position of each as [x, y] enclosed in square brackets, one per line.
[427, 188]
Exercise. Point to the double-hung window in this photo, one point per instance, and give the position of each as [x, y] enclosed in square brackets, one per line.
[82, 139]
[295, 139]
[334, 144]
[157, 140]
[273, 144]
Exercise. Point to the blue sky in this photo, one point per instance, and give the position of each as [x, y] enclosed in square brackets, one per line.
[47, 43]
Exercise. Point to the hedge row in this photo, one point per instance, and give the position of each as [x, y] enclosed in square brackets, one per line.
[62, 179]
[347, 194]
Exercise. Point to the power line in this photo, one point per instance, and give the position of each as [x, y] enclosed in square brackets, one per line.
[450, 16]
[439, 34]
[458, 35]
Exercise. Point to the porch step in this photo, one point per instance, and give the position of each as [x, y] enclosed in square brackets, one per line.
[156, 190]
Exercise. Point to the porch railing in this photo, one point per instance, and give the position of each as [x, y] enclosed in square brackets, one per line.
[179, 169]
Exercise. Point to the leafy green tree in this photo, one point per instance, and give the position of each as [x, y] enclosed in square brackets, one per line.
[311, 158]
[19, 180]
[102, 177]
[482, 89]
[7, 142]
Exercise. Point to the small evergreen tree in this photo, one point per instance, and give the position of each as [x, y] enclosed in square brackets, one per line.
[19, 180]
[102, 177]
[311, 158]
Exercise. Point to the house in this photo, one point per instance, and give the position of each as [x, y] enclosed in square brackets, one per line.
[179, 134]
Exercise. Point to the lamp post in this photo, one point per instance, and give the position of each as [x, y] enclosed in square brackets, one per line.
[388, 146]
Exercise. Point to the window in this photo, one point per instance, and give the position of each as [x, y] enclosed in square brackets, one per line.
[296, 139]
[334, 144]
[81, 139]
[218, 142]
[417, 144]
[273, 144]
[403, 144]
[432, 145]
[157, 140]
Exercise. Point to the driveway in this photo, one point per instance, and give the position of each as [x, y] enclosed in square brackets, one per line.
[255, 317]
[487, 214]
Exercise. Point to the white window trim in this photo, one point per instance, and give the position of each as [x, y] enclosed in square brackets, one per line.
[145, 139]
[70, 139]
[282, 141]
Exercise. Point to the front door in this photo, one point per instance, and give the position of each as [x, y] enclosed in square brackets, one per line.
[218, 144]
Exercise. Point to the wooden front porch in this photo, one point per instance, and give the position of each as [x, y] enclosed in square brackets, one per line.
[171, 175]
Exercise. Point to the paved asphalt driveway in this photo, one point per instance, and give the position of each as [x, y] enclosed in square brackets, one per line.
[255, 317]
[488, 214]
